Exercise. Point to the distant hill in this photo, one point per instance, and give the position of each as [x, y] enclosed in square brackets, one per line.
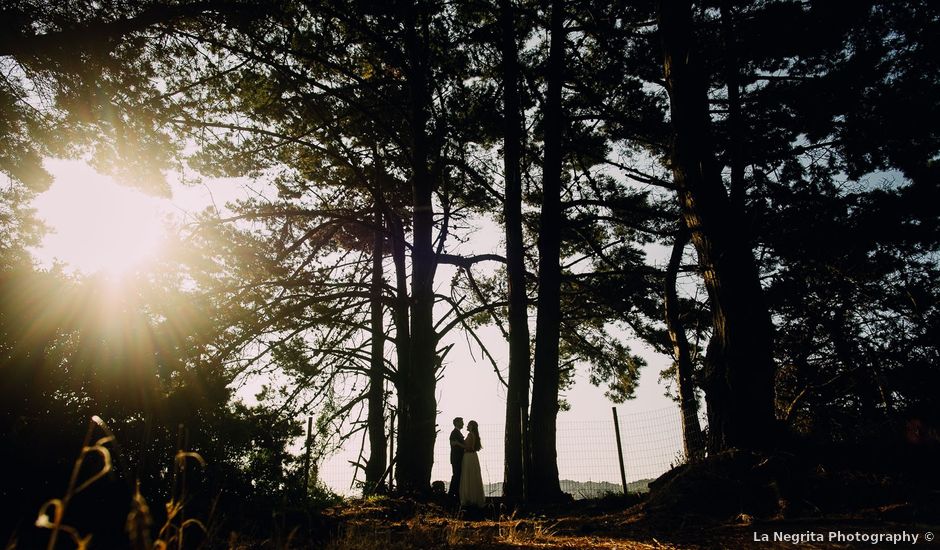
[583, 489]
[597, 489]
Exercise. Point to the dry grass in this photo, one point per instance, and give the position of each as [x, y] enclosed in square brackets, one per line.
[52, 513]
[478, 535]
[139, 520]
[366, 527]
[375, 525]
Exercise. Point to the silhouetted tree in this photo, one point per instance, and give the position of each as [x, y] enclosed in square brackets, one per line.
[739, 381]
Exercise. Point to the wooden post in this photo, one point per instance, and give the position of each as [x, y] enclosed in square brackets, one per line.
[623, 475]
[307, 456]
[391, 452]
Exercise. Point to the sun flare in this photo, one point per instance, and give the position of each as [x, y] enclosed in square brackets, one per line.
[96, 225]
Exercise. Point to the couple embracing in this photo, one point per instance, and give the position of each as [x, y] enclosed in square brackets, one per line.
[467, 482]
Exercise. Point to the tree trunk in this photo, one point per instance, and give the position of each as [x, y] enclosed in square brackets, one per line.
[717, 395]
[732, 80]
[417, 419]
[375, 467]
[740, 360]
[688, 404]
[543, 479]
[517, 393]
[401, 320]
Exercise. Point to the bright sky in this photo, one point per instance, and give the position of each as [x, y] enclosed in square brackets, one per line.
[96, 224]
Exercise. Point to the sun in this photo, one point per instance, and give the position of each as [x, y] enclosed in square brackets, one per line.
[97, 225]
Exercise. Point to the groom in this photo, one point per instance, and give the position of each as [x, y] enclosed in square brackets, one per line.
[456, 457]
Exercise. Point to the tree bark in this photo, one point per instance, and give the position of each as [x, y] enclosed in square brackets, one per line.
[543, 478]
[717, 395]
[376, 464]
[740, 361]
[517, 393]
[692, 439]
[401, 319]
[417, 419]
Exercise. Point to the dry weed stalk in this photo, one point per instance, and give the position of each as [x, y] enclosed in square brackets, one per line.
[58, 506]
[139, 519]
[173, 531]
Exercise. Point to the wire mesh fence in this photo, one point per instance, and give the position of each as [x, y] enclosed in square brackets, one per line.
[588, 462]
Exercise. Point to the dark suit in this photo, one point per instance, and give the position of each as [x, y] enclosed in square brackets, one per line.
[456, 461]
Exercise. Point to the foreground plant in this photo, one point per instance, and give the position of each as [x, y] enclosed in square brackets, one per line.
[139, 519]
[172, 533]
[58, 506]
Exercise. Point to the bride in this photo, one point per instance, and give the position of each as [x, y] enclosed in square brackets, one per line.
[471, 480]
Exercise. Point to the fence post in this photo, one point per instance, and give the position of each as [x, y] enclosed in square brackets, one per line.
[307, 456]
[623, 475]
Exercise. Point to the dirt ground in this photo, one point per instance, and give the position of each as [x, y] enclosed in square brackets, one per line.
[607, 523]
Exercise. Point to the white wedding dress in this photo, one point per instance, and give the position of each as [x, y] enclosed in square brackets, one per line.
[471, 480]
